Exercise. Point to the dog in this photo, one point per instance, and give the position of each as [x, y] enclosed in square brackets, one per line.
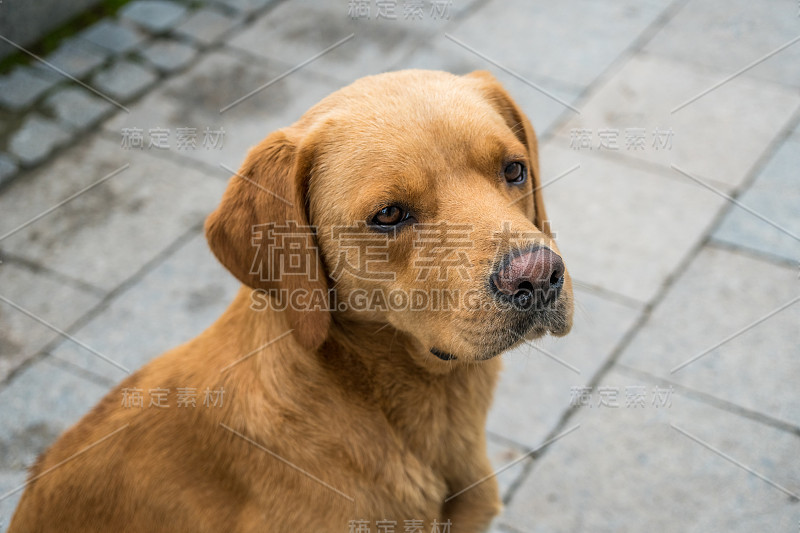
[390, 244]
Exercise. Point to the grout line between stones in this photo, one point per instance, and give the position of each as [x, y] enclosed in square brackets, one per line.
[109, 298]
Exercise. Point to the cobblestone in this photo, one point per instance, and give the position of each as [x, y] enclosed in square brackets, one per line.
[206, 26]
[246, 6]
[8, 169]
[112, 36]
[76, 57]
[125, 80]
[22, 87]
[36, 139]
[76, 108]
[154, 15]
[168, 55]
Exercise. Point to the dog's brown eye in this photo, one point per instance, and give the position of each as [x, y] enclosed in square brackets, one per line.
[514, 172]
[389, 216]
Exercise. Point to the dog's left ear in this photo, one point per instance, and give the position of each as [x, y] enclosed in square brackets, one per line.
[261, 233]
[494, 92]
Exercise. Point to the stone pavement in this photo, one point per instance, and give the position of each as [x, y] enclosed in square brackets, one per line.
[673, 186]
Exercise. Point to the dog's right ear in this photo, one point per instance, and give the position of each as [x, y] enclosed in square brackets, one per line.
[260, 232]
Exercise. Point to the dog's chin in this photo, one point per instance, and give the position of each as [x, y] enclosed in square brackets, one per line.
[512, 332]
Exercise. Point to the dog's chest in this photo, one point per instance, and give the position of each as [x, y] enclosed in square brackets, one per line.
[434, 416]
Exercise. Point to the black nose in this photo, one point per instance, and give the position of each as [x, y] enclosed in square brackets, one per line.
[532, 278]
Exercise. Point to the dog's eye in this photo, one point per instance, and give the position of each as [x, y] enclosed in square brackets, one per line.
[514, 172]
[390, 216]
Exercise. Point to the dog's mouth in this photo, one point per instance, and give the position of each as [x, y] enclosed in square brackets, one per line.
[444, 356]
[517, 326]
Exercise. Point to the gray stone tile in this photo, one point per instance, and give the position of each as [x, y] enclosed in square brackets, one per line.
[619, 227]
[154, 15]
[171, 305]
[292, 39]
[76, 57]
[107, 234]
[124, 80]
[112, 36]
[36, 139]
[731, 38]
[194, 98]
[626, 470]
[775, 194]
[8, 169]
[542, 109]
[77, 108]
[21, 88]
[207, 26]
[246, 7]
[168, 55]
[718, 137]
[571, 42]
[721, 293]
[58, 303]
[9, 481]
[41, 402]
[534, 389]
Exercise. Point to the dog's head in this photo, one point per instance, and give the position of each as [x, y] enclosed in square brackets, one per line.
[411, 199]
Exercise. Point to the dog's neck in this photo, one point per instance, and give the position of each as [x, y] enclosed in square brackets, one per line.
[372, 364]
[420, 396]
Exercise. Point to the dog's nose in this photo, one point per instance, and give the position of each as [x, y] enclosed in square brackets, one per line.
[535, 275]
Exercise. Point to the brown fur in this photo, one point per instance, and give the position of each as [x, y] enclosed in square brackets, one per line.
[354, 398]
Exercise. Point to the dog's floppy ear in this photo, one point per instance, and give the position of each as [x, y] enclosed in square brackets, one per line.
[260, 232]
[494, 92]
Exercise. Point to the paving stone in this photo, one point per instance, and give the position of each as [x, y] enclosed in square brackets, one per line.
[172, 304]
[125, 80]
[534, 389]
[721, 293]
[21, 88]
[625, 470]
[76, 57]
[154, 15]
[731, 38]
[719, 136]
[167, 55]
[56, 302]
[775, 195]
[571, 42]
[193, 100]
[246, 7]
[112, 36]
[377, 44]
[77, 108]
[107, 234]
[40, 403]
[207, 26]
[622, 228]
[36, 139]
[8, 169]
[542, 105]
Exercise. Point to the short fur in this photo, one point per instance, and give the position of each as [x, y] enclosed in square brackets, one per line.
[349, 417]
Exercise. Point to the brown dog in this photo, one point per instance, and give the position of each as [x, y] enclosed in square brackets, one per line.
[390, 243]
